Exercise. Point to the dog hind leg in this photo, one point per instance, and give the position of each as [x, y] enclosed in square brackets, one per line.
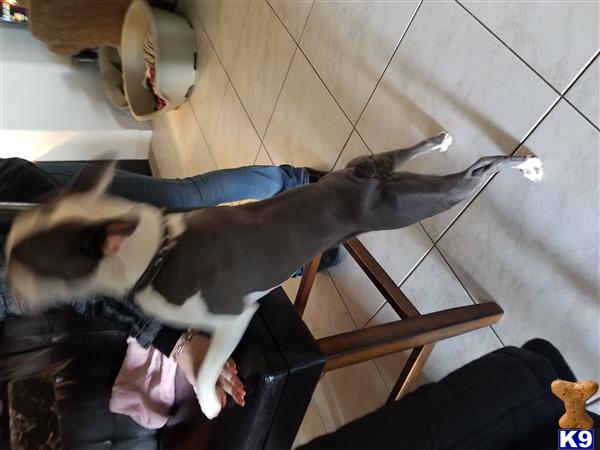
[408, 198]
[382, 165]
[439, 143]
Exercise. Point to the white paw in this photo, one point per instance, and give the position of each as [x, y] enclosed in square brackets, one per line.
[445, 144]
[531, 168]
[209, 402]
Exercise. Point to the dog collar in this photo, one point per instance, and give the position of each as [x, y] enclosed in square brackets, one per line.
[156, 263]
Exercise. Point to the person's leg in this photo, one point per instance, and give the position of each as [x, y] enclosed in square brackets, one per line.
[62, 172]
[213, 188]
[246, 183]
[545, 348]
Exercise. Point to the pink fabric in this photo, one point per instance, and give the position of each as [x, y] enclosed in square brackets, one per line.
[145, 386]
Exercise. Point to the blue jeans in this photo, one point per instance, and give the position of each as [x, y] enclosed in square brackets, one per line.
[209, 189]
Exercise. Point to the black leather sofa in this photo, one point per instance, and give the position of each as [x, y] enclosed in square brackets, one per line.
[278, 359]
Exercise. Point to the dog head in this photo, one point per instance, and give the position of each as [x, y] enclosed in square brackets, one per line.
[74, 245]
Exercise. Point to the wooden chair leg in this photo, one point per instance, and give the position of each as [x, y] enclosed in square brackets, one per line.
[369, 343]
[306, 283]
[413, 367]
[382, 281]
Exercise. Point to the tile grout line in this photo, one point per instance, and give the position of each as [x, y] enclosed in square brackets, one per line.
[230, 81]
[427, 233]
[572, 84]
[455, 220]
[356, 326]
[381, 374]
[331, 95]
[218, 115]
[586, 118]
[594, 401]
[415, 267]
[237, 46]
[210, 152]
[561, 96]
[569, 85]
[339, 156]
[521, 143]
[312, 5]
[343, 148]
[278, 96]
[262, 138]
[403, 281]
[281, 90]
[576, 78]
[318, 413]
[268, 156]
[323, 82]
[342, 299]
[325, 85]
[544, 115]
[412, 18]
[374, 314]
[354, 125]
[475, 302]
[458, 2]
[286, 28]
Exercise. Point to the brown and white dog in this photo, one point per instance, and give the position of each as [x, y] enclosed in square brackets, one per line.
[207, 268]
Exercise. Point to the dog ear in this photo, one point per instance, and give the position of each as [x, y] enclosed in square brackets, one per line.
[93, 179]
[116, 233]
[106, 238]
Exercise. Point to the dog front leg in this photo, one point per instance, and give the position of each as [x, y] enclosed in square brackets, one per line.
[223, 342]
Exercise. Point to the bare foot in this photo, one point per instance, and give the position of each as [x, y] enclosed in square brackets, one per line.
[190, 360]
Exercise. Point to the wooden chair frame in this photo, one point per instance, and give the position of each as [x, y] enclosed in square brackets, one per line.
[414, 330]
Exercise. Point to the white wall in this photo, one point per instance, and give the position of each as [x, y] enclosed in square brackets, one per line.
[37, 145]
[52, 108]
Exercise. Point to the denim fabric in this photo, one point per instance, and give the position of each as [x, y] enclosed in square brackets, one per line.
[209, 189]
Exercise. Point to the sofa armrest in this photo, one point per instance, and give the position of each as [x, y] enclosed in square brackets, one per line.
[280, 365]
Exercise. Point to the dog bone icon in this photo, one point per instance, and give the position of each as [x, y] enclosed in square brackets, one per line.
[574, 396]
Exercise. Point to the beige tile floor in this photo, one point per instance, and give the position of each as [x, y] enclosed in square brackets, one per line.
[317, 84]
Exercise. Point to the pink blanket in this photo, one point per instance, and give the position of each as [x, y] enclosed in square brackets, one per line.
[145, 386]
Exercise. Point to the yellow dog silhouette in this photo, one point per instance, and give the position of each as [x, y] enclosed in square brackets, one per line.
[574, 396]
